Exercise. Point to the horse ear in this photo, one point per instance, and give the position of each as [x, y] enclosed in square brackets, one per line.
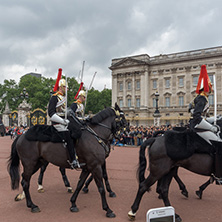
[116, 106]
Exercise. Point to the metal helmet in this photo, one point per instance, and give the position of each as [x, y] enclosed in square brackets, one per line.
[82, 93]
[62, 82]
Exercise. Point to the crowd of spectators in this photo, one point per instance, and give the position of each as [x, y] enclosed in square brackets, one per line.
[14, 131]
[136, 135]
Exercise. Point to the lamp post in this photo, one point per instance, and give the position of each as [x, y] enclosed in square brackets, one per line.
[156, 114]
[24, 94]
[24, 109]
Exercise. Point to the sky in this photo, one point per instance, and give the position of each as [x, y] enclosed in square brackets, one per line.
[44, 35]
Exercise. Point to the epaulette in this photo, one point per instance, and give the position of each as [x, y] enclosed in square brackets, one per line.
[57, 93]
[78, 101]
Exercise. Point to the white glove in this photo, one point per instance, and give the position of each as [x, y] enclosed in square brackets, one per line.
[58, 119]
[66, 122]
[215, 128]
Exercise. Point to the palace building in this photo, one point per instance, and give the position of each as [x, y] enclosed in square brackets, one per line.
[138, 80]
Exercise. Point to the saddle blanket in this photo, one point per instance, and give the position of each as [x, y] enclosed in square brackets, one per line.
[182, 145]
[43, 133]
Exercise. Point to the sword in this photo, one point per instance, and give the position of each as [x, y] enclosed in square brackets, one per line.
[66, 100]
[215, 100]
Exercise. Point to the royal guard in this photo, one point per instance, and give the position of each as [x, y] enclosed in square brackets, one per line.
[77, 106]
[57, 112]
[202, 124]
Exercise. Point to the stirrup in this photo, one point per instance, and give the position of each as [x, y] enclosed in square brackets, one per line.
[217, 179]
[76, 165]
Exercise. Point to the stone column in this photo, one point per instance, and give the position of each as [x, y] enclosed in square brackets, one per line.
[23, 111]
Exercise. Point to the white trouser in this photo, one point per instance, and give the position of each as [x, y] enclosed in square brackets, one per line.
[60, 127]
[208, 135]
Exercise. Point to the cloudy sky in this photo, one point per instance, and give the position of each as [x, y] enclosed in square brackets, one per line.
[44, 35]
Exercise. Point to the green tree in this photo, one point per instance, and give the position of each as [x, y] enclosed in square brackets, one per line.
[96, 101]
[9, 91]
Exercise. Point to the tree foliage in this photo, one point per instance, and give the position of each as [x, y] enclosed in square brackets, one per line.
[39, 91]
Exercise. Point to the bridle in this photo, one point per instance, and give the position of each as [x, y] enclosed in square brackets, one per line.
[115, 129]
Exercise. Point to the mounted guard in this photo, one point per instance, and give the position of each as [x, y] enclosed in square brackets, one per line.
[57, 111]
[78, 106]
[202, 124]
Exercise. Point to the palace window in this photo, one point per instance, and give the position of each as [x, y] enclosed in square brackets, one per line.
[211, 77]
[137, 102]
[120, 103]
[211, 99]
[181, 82]
[138, 84]
[129, 86]
[120, 86]
[129, 102]
[154, 84]
[195, 80]
[181, 100]
[167, 83]
[167, 101]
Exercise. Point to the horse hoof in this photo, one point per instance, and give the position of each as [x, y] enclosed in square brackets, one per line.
[110, 215]
[70, 190]
[35, 209]
[177, 218]
[131, 215]
[112, 194]
[41, 190]
[85, 190]
[19, 197]
[199, 194]
[74, 209]
[185, 193]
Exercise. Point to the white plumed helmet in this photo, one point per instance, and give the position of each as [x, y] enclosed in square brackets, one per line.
[82, 93]
[62, 82]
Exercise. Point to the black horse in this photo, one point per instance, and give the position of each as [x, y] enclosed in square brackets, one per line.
[90, 150]
[175, 175]
[198, 159]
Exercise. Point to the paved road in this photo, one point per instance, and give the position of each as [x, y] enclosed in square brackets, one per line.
[121, 164]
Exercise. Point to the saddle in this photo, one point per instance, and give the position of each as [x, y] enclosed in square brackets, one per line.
[43, 133]
[46, 133]
[182, 144]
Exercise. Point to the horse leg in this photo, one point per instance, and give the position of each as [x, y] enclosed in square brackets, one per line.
[65, 180]
[26, 177]
[85, 188]
[158, 190]
[164, 183]
[199, 192]
[97, 175]
[40, 178]
[105, 177]
[82, 178]
[143, 187]
[180, 183]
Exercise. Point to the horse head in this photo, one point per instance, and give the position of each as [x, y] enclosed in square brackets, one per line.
[120, 123]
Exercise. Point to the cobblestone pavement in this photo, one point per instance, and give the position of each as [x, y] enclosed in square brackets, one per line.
[121, 165]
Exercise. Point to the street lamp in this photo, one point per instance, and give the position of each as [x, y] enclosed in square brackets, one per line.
[24, 94]
[157, 98]
[156, 114]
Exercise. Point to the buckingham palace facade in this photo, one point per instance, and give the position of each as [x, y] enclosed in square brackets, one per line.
[137, 79]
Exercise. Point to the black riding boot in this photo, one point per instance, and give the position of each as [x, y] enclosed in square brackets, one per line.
[218, 163]
[71, 149]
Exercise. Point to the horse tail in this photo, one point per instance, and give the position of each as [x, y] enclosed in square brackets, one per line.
[142, 159]
[13, 166]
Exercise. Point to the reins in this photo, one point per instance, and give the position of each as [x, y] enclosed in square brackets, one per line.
[99, 138]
